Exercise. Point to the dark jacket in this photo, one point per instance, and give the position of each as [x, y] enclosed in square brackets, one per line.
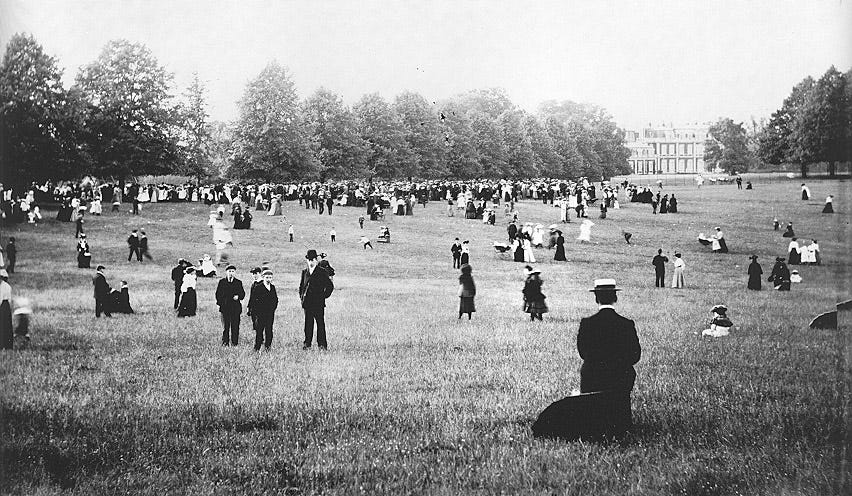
[659, 263]
[133, 241]
[177, 276]
[609, 346]
[314, 288]
[102, 288]
[265, 301]
[456, 250]
[225, 293]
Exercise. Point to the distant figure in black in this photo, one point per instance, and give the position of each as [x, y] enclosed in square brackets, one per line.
[659, 262]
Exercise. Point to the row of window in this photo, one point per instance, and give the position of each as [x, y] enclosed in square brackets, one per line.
[667, 149]
[667, 165]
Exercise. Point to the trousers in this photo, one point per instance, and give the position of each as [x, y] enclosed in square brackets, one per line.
[660, 282]
[317, 315]
[263, 331]
[231, 326]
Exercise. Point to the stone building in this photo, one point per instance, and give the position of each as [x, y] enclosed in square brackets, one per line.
[667, 149]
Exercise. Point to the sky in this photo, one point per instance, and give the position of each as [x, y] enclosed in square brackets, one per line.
[645, 62]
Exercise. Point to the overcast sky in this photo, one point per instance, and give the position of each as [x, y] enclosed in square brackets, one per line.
[647, 61]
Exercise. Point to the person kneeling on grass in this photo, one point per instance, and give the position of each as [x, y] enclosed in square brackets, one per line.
[721, 325]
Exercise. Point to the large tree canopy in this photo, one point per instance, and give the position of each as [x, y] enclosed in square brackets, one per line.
[727, 147]
[338, 148]
[272, 142]
[133, 123]
[40, 121]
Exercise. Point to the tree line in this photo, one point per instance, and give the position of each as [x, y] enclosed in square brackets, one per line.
[813, 125]
[122, 117]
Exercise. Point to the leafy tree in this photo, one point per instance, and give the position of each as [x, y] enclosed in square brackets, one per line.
[272, 142]
[133, 124]
[490, 148]
[221, 151]
[196, 131]
[461, 156]
[821, 127]
[388, 153]
[423, 134]
[520, 157]
[546, 161]
[565, 147]
[775, 143]
[492, 102]
[340, 151]
[39, 120]
[727, 147]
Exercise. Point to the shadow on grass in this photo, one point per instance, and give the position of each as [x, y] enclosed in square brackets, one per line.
[48, 339]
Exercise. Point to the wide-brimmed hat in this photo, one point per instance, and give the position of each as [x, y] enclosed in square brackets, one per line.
[311, 255]
[604, 285]
[466, 268]
[719, 309]
[779, 259]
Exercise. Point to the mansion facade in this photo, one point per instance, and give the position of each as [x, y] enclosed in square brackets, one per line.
[667, 149]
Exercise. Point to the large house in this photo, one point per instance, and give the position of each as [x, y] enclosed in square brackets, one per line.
[667, 149]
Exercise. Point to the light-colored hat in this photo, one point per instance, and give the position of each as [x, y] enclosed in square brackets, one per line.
[3, 273]
[605, 285]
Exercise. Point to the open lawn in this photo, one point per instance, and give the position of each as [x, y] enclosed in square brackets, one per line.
[411, 400]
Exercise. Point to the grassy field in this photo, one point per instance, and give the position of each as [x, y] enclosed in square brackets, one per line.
[411, 400]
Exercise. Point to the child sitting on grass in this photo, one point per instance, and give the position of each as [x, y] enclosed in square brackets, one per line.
[721, 325]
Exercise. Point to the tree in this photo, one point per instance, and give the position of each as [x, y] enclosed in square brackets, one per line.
[520, 157]
[133, 125]
[272, 142]
[546, 161]
[566, 148]
[492, 102]
[776, 144]
[340, 151]
[462, 157]
[388, 153]
[196, 131]
[222, 136]
[423, 135]
[490, 148]
[727, 147]
[40, 121]
[820, 129]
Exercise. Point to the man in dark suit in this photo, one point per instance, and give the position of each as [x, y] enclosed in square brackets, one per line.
[263, 310]
[229, 293]
[102, 291]
[608, 345]
[258, 279]
[659, 262]
[133, 246]
[315, 286]
[177, 277]
[456, 249]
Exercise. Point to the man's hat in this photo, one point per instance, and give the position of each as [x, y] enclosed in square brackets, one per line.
[312, 255]
[719, 309]
[255, 270]
[100, 267]
[604, 285]
[231, 267]
[753, 257]
[267, 272]
[779, 259]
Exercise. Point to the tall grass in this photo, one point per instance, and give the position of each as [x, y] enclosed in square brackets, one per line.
[411, 400]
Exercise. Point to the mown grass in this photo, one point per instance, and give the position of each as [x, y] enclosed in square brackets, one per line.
[411, 400]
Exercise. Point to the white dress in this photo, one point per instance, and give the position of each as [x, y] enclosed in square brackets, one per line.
[529, 257]
[586, 230]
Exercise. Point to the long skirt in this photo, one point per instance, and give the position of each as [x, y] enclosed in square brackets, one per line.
[6, 338]
[677, 279]
[723, 247]
[466, 304]
[828, 209]
[84, 261]
[188, 303]
[560, 253]
[794, 257]
[537, 306]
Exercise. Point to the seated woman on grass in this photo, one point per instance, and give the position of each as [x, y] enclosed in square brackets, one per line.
[721, 325]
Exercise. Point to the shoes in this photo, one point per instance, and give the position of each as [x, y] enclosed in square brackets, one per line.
[323, 348]
[306, 346]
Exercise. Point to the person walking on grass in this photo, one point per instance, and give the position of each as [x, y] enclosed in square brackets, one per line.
[456, 250]
[659, 262]
[11, 255]
[178, 271]
[677, 279]
[315, 287]
[533, 297]
[143, 246]
[133, 246]
[263, 310]
[755, 272]
[366, 242]
[333, 232]
[257, 274]
[467, 291]
[229, 294]
[188, 304]
[290, 232]
[102, 292]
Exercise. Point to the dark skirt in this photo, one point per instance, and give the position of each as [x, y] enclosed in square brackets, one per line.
[465, 258]
[723, 247]
[754, 282]
[794, 257]
[84, 261]
[6, 338]
[536, 306]
[466, 304]
[828, 209]
[188, 304]
[519, 254]
[560, 253]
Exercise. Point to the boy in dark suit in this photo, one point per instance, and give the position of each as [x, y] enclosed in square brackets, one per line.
[263, 310]
[315, 286]
[102, 291]
[608, 345]
[229, 294]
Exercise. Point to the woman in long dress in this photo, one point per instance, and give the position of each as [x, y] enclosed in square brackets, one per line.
[188, 299]
[829, 208]
[518, 249]
[794, 253]
[529, 256]
[84, 255]
[677, 279]
[585, 231]
[780, 277]
[719, 245]
[808, 254]
[560, 248]
[755, 272]
[467, 290]
[533, 297]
